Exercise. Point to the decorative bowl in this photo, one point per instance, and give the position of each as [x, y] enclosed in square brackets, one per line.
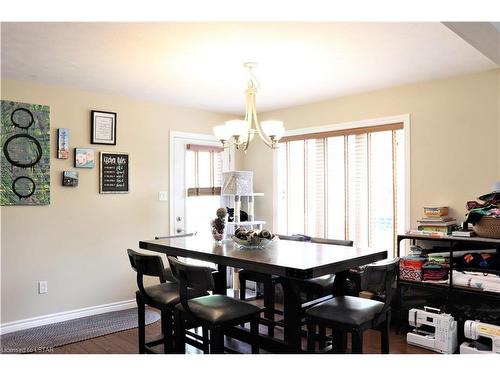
[254, 242]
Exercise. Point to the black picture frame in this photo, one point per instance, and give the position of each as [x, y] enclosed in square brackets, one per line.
[96, 128]
[114, 170]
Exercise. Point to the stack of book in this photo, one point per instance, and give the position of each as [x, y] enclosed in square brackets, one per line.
[436, 222]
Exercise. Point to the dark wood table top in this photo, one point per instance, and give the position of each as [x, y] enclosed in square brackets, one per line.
[294, 259]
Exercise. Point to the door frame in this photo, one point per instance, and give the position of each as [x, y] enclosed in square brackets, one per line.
[192, 137]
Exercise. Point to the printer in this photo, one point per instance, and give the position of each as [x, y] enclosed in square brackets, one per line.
[433, 330]
[486, 338]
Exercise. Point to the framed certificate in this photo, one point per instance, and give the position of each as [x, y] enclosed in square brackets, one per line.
[103, 130]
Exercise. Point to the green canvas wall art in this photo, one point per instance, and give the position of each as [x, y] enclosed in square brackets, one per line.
[25, 157]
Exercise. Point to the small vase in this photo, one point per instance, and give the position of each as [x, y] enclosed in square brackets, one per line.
[218, 225]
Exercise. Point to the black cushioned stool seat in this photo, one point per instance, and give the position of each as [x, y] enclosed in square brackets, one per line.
[347, 310]
[319, 285]
[167, 294]
[218, 309]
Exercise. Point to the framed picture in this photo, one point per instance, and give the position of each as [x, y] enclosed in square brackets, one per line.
[84, 158]
[70, 178]
[62, 143]
[103, 129]
[113, 176]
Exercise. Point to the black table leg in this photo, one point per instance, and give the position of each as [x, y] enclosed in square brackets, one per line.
[221, 280]
[292, 315]
[339, 283]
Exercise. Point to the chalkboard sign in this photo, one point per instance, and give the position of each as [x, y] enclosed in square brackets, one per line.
[114, 173]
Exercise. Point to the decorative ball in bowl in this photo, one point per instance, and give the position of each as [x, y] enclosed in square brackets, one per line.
[253, 238]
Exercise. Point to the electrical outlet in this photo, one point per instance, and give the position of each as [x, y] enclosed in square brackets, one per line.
[163, 196]
[42, 287]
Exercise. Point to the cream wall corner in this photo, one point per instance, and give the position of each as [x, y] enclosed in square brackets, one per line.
[78, 242]
[455, 134]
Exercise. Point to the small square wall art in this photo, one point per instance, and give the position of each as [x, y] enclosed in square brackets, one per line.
[84, 158]
[70, 178]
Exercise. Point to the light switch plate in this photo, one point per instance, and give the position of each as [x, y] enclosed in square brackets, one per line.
[163, 196]
[42, 287]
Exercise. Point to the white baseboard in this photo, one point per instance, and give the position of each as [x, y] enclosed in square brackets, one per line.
[37, 321]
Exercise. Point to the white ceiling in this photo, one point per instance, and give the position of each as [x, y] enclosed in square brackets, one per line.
[200, 64]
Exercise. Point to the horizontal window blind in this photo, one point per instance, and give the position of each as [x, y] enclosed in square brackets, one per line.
[343, 132]
[203, 170]
[345, 184]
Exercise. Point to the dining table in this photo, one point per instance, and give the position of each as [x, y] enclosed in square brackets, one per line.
[293, 261]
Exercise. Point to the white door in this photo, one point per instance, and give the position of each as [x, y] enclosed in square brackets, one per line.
[188, 214]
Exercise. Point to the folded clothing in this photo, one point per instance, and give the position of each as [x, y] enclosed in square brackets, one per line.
[435, 271]
[437, 259]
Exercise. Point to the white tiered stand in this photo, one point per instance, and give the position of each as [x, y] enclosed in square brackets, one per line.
[228, 200]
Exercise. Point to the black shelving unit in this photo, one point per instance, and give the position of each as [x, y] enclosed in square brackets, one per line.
[451, 293]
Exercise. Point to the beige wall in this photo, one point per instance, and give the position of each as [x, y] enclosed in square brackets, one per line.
[454, 120]
[78, 242]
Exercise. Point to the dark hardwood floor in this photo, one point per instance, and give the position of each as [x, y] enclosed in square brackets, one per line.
[125, 342]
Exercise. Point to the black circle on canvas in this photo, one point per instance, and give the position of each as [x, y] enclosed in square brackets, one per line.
[19, 125]
[31, 190]
[28, 138]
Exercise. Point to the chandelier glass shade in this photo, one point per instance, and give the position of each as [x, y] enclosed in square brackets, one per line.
[241, 132]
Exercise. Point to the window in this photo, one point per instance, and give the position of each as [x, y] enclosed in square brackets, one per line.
[203, 170]
[203, 186]
[346, 184]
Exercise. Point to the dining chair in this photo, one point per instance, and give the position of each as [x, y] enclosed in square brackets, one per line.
[215, 313]
[163, 296]
[348, 314]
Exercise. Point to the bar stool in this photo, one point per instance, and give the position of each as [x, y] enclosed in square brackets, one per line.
[215, 313]
[163, 296]
[347, 314]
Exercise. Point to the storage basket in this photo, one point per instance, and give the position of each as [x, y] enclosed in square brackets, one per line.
[410, 268]
[488, 227]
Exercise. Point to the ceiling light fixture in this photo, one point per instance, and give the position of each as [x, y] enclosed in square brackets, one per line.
[241, 132]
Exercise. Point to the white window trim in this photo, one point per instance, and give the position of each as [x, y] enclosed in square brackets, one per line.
[405, 119]
[191, 137]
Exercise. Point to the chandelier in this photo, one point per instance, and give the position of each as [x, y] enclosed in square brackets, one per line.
[241, 132]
